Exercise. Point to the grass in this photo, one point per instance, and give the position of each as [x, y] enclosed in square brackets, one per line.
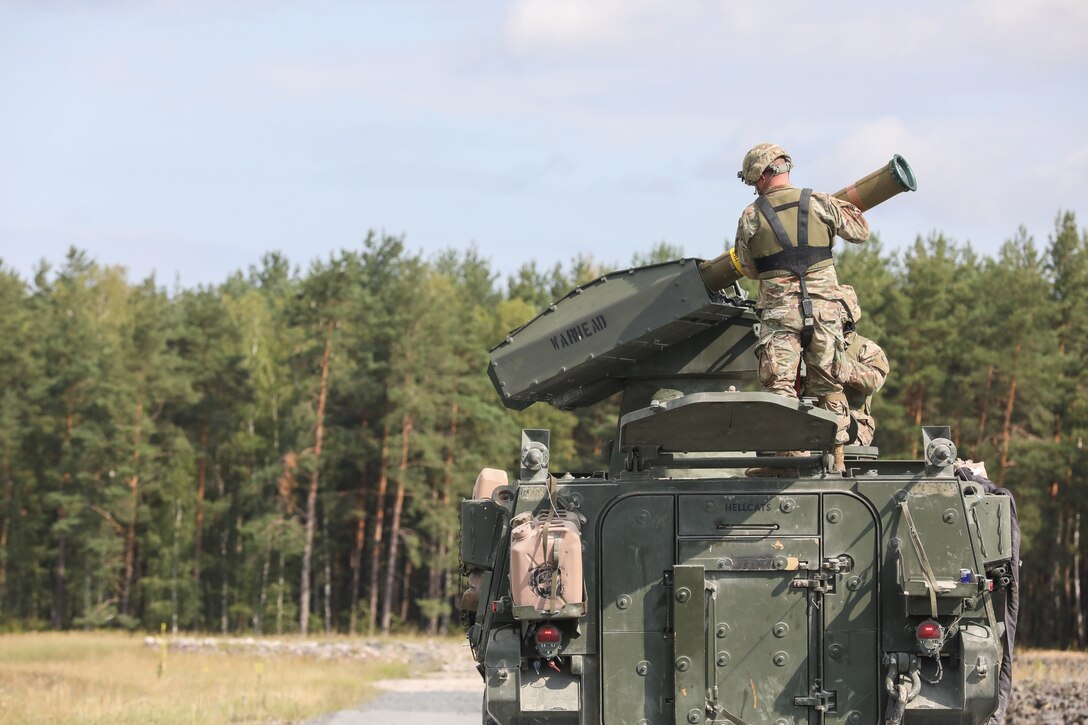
[1034, 665]
[115, 678]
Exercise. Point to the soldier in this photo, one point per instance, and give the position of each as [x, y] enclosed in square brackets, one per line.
[784, 240]
[865, 368]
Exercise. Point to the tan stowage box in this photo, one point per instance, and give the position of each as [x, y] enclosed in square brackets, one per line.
[546, 566]
[488, 480]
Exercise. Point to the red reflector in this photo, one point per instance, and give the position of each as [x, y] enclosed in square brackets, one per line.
[928, 630]
[548, 633]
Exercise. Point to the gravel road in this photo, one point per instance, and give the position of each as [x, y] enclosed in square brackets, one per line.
[446, 707]
[450, 696]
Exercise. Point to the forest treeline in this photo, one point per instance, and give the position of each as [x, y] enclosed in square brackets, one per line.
[286, 451]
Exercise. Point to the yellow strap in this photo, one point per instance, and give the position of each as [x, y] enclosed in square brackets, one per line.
[735, 261]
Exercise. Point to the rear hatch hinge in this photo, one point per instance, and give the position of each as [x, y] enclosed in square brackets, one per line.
[823, 581]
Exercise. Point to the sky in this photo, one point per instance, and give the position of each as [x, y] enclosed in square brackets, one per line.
[187, 138]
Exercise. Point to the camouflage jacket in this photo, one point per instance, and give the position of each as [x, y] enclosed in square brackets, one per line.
[865, 368]
[842, 217]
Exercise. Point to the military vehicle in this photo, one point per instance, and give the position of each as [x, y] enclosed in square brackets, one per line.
[673, 588]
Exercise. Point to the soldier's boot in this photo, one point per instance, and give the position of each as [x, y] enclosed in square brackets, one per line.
[776, 472]
[471, 598]
[836, 403]
[839, 465]
[771, 472]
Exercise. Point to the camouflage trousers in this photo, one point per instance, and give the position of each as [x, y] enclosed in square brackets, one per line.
[865, 368]
[779, 354]
[862, 427]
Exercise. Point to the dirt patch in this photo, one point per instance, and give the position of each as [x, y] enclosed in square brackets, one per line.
[1050, 688]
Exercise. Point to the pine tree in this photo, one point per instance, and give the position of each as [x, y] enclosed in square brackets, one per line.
[208, 346]
[17, 377]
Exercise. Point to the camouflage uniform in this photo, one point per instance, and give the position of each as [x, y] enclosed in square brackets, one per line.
[864, 370]
[779, 306]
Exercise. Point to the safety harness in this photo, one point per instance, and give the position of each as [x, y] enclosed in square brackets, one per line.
[794, 258]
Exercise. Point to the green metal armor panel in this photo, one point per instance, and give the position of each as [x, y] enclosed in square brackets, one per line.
[719, 597]
[481, 525]
[850, 613]
[574, 352]
[729, 422]
[636, 648]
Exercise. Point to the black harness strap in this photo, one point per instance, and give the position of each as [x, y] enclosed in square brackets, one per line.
[849, 325]
[776, 224]
[808, 319]
[802, 218]
[794, 259]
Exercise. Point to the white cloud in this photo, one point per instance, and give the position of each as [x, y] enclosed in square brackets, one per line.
[533, 23]
[1040, 31]
[873, 142]
[1076, 165]
[848, 40]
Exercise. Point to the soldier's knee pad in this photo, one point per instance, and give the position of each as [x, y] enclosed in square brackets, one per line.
[835, 402]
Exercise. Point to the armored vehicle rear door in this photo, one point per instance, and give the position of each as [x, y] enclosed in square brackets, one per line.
[755, 606]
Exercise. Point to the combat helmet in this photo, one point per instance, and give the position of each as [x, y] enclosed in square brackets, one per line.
[759, 158]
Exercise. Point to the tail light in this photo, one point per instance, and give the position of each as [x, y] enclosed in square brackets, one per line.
[930, 636]
[548, 638]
